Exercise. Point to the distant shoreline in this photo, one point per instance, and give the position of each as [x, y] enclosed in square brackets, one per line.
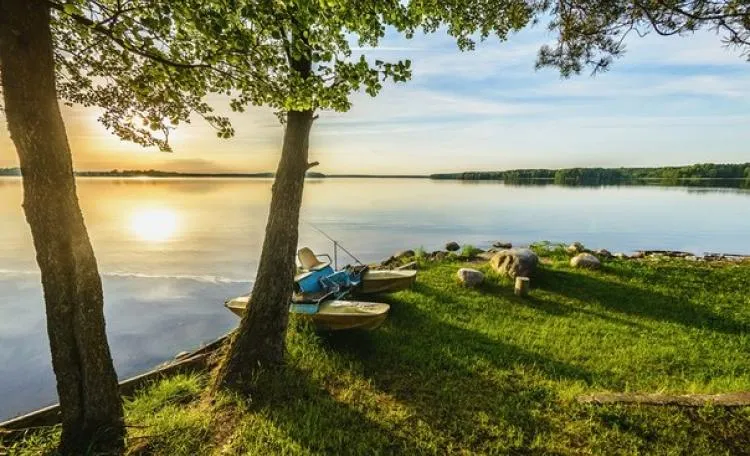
[739, 172]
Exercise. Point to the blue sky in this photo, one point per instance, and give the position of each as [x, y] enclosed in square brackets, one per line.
[668, 101]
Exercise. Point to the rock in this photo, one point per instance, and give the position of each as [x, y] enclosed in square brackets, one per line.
[515, 262]
[638, 254]
[604, 253]
[438, 255]
[403, 254]
[452, 246]
[408, 266]
[502, 245]
[486, 255]
[574, 248]
[388, 262]
[470, 277]
[621, 256]
[585, 260]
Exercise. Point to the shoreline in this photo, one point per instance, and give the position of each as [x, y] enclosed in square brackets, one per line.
[198, 358]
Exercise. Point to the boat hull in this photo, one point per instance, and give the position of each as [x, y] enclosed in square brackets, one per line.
[332, 315]
[386, 281]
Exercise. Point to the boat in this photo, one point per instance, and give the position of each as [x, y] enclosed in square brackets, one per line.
[320, 274]
[385, 281]
[332, 315]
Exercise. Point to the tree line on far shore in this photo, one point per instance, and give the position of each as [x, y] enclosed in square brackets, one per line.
[603, 176]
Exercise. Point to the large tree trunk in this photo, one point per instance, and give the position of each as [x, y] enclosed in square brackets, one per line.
[259, 341]
[92, 416]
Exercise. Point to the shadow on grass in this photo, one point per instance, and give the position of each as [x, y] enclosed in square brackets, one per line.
[481, 393]
[632, 300]
[309, 417]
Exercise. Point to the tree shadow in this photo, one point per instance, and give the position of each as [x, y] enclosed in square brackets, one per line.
[454, 377]
[632, 300]
[305, 411]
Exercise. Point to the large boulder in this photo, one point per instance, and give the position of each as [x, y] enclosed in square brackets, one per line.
[515, 262]
[585, 260]
[487, 256]
[575, 248]
[452, 246]
[604, 253]
[470, 277]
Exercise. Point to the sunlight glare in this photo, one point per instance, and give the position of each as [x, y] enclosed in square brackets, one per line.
[154, 224]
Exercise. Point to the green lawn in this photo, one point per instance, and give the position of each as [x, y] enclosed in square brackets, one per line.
[459, 371]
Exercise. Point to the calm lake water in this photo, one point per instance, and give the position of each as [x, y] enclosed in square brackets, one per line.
[172, 250]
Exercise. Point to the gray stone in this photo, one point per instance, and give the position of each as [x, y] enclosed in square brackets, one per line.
[638, 254]
[452, 246]
[515, 262]
[403, 254]
[502, 245]
[604, 253]
[470, 277]
[575, 247]
[438, 255]
[585, 260]
[621, 256]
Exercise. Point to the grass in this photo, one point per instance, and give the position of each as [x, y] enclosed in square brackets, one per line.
[480, 371]
[469, 251]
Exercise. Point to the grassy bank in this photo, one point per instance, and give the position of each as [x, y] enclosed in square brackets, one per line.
[457, 371]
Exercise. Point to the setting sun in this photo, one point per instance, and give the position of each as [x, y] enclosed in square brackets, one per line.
[154, 224]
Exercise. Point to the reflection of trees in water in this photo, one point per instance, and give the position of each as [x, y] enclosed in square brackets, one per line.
[692, 185]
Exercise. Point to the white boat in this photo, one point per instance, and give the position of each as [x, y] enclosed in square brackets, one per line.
[386, 281]
[330, 315]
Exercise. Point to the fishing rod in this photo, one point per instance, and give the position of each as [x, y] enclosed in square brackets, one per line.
[336, 246]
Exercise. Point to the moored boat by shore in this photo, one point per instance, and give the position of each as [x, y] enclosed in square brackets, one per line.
[334, 315]
[385, 281]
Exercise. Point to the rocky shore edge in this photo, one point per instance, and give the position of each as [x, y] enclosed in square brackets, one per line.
[468, 252]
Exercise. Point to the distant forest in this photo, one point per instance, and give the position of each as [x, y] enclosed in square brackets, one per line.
[603, 176]
[736, 173]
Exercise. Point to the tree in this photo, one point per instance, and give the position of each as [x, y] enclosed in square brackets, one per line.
[302, 63]
[125, 57]
[592, 33]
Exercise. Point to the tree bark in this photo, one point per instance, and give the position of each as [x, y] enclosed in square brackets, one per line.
[259, 341]
[92, 417]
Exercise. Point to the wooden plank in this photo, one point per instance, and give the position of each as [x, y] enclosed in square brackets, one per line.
[741, 399]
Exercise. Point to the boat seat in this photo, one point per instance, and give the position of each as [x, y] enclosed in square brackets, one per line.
[309, 260]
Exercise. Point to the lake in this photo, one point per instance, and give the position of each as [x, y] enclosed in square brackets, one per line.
[172, 250]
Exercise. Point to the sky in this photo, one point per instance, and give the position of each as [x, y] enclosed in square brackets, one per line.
[668, 101]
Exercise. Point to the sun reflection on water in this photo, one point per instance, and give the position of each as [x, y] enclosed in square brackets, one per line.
[154, 224]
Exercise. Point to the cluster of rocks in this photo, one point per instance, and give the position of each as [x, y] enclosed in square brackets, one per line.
[578, 249]
[452, 248]
[522, 262]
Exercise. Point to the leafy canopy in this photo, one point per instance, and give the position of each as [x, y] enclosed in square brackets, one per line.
[151, 64]
[591, 33]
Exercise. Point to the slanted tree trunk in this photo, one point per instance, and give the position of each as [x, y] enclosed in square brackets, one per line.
[259, 341]
[92, 416]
